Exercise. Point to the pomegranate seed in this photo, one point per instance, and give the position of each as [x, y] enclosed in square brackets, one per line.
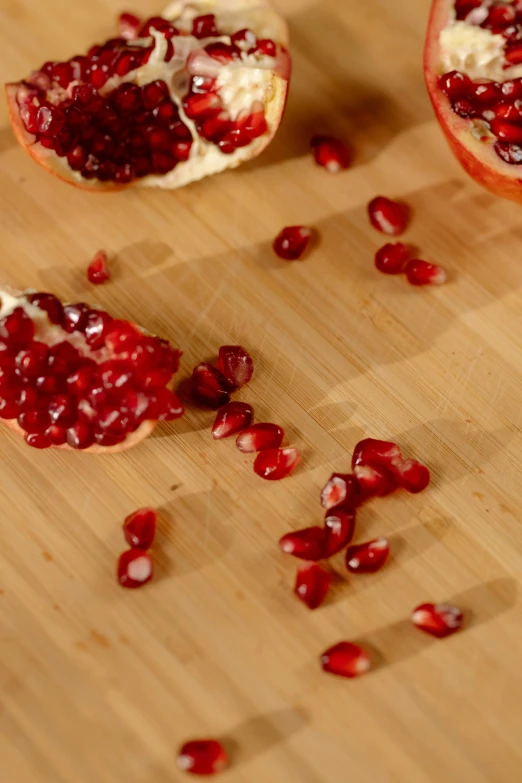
[98, 270]
[438, 620]
[96, 326]
[62, 411]
[115, 374]
[339, 527]
[245, 39]
[80, 436]
[27, 399]
[340, 489]
[411, 475]
[199, 106]
[56, 435]
[202, 757]
[50, 120]
[63, 359]
[292, 242]
[37, 440]
[75, 317]
[231, 419]
[391, 259]
[422, 273]
[260, 437]
[330, 153]
[307, 544]
[267, 47]
[16, 328]
[204, 26]
[223, 53]
[128, 26]
[139, 528]
[455, 84]
[208, 386]
[9, 409]
[50, 303]
[374, 481]
[32, 360]
[487, 94]
[236, 365]
[312, 584]
[346, 660]
[134, 568]
[35, 421]
[276, 464]
[388, 216]
[367, 558]
[375, 452]
[122, 336]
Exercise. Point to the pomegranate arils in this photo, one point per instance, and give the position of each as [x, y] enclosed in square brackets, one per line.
[367, 558]
[204, 26]
[260, 437]
[139, 528]
[391, 259]
[80, 435]
[388, 216]
[75, 317]
[50, 303]
[423, 273]
[340, 489]
[346, 660]
[292, 242]
[37, 440]
[134, 568]
[374, 481]
[307, 544]
[128, 26]
[209, 386]
[330, 153]
[312, 584]
[231, 419]
[339, 527]
[98, 269]
[202, 757]
[31, 361]
[236, 365]
[375, 452]
[16, 328]
[276, 464]
[411, 475]
[439, 620]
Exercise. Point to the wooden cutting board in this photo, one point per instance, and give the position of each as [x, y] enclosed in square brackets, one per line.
[100, 684]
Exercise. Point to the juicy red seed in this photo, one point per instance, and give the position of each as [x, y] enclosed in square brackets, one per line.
[375, 452]
[139, 528]
[50, 303]
[35, 421]
[80, 436]
[222, 52]
[391, 259]
[346, 660]
[16, 328]
[231, 419]
[422, 273]
[260, 437]
[154, 93]
[115, 374]
[96, 327]
[216, 126]
[56, 435]
[411, 475]
[312, 584]
[165, 406]
[134, 568]
[339, 527]
[28, 115]
[438, 620]
[128, 26]
[63, 358]
[77, 158]
[202, 757]
[276, 464]
[266, 46]
[330, 153]
[75, 317]
[38, 440]
[9, 409]
[122, 336]
[292, 242]
[487, 93]
[236, 365]
[154, 379]
[199, 106]
[204, 26]
[27, 399]
[51, 384]
[341, 489]
[307, 544]
[98, 269]
[513, 53]
[209, 386]
[245, 39]
[507, 131]
[50, 120]
[374, 481]
[455, 84]
[127, 98]
[181, 150]
[388, 216]
[32, 360]
[62, 410]
[136, 405]
[369, 557]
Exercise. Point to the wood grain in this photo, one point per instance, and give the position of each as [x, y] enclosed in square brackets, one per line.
[102, 685]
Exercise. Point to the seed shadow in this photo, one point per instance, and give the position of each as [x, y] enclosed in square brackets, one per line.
[258, 735]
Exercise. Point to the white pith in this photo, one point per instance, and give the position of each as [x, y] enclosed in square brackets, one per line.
[139, 570]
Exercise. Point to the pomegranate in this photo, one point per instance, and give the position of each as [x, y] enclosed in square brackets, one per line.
[202, 757]
[340, 489]
[139, 528]
[236, 365]
[98, 269]
[75, 377]
[346, 660]
[387, 216]
[391, 258]
[423, 273]
[367, 558]
[260, 437]
[134, 568]
[330, 153]
[292, 242]
[231, 419]
[307, 544]
[276, 464]
[438, 620]
[339, 527]
[312, 584]
[380, 454]
[209, 387]
[472, 68]
[186, 95]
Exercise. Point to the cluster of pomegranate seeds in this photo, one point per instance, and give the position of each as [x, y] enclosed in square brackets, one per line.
[211, 386]
[498, 16]
[98, 269]
[330, 153]
[202, 757]
[439, 620]
[346, 660]
[312, 584]
[135, 566]
[291, 244]
[387, 216]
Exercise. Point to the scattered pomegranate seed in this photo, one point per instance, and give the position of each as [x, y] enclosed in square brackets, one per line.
[312, 584]
[341, 489]
[423, 273]
[139, 528]
[267, 47]
[98, 270]
[392, 258]
[276, 464]
[367, 558]
[339, 527]
[236, 364]
[231, 419]
[307, 544]
[292, 242]
[202, 757]
[375, 452]
[374, 481]
[411, 475]
[209, 386]
[331, 153]
[134, 568]
[260, 437]
[388, 216]
[346, 660]
[128, 26]
[439, 620]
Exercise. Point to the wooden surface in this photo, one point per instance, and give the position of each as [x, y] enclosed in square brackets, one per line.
[99, 684]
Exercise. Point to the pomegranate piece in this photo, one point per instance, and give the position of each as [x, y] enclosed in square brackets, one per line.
[260, 437]
[392, 258]
[374, 481]
[231, 419]
[139, 528]
[330, 153]
[134, 568]
[312, 584]
[209, 386]
[438, 620]
[375, 452]
[98, 269]
[202, 757]
[276, 464]
[388, 216]
[411, 475]
[339, 527]
[292, 242]
[128, 26]
[367, 558]
[306, 544]
[423, 273]
[236, 365]
[346, 660]
[341, 489]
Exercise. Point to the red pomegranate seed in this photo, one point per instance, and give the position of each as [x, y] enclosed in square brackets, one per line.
[367, 558]
[236, 364]
[388, 216]
[392, 258]
[80, 436]
[204, 26]
[330, 153]
[208, 386]
[98, 270]
[374, 481]
[267, 47]
[31, 361]
[306, 544]
[38, 440]
[75, 317]
[422, 273]
[139, 528]
[340, 489]
[411, 475]
[260, 437]
[438, 620]
[222, 52]
[276, 464]
[245, 39]
[292, 242]
[128, 26]
[202, 757]
[134, 568]
[56, 435]
[339, 527]
[200, 105]
[16, 328]
[312, 584]
[96, 328]
[231, 419]
[455, 84]
[50, 303]
[50, 120]
[35, 421]
[346, 660]
[122, 336]
[375, 452]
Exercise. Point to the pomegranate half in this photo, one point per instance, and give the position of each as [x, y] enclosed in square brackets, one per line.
[199, 90]
[473, 69]
[74, 377]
